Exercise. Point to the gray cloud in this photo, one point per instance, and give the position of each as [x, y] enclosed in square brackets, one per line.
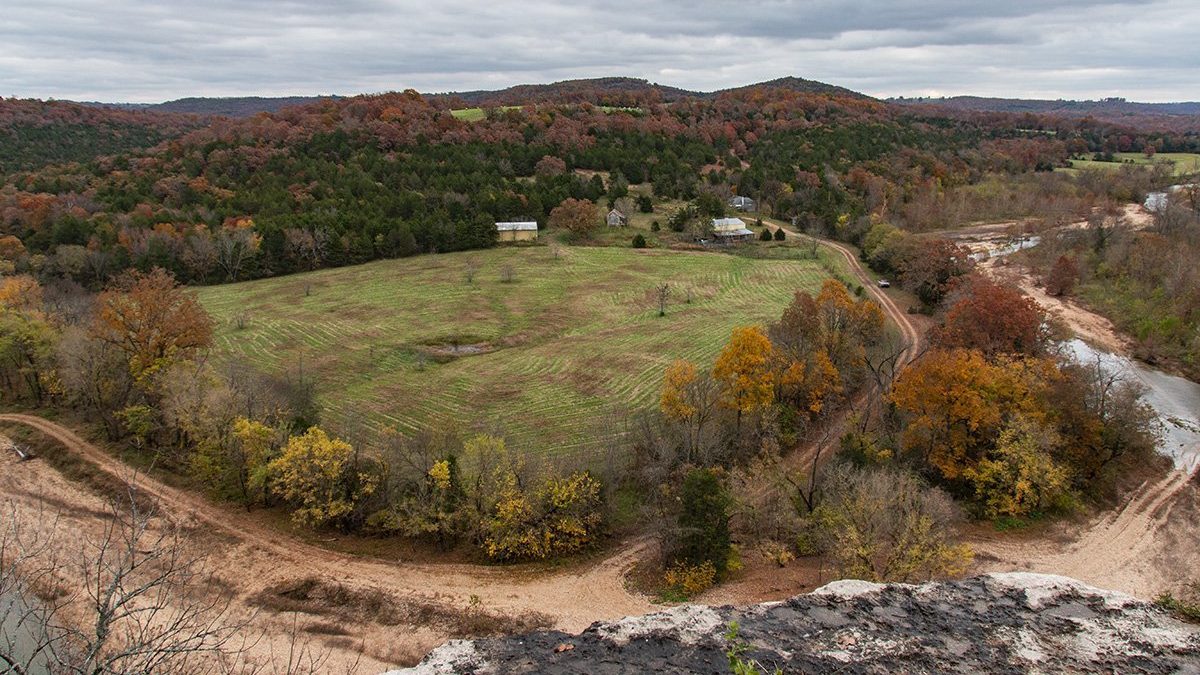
[146, 50]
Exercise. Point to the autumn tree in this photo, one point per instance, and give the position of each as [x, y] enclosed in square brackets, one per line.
[577, 216]
[321, 477]
[236, 243]
[884, 525]
[27, 356]
[928, 267]
[956, 402]
[743, 368]
[152, 321]
[689, 399]
[549, 165]
[993, 319]
[560, 517]
[1063, 276]
[1020, 475]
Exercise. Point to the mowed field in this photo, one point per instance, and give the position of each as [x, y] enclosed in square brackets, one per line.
[553, 359]
[1185, 162]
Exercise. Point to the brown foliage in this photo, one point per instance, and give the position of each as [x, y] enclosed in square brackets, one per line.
[152, 321]
[992, 318]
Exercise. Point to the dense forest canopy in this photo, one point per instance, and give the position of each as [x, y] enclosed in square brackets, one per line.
[341, 181]
[34, 134]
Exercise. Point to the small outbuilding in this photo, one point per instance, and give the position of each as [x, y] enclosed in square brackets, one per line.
[517, 231]
[616, 219]
[730, 230]
[743, 204]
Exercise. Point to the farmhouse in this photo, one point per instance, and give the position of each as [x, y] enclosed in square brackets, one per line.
[729, 230]
[517, 231]
[616, 219]
[743, 203]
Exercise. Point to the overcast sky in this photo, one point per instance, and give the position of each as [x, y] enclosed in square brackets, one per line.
[143, 51]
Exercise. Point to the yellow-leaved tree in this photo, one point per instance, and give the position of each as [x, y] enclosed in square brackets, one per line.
[318, 474]
[1020, 475]
[689, 399]
[561, 517]
[744, 369]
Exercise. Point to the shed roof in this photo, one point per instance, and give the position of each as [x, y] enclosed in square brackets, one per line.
[740, 232]
[524, 225]
[722, 224]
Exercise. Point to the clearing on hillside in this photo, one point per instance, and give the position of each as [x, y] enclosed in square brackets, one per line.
[550, 351]
[1186, 163]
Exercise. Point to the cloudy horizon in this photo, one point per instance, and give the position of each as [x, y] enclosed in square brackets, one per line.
[144, 52]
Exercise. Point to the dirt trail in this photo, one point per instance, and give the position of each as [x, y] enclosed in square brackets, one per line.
[1141, 548]
[259, 557]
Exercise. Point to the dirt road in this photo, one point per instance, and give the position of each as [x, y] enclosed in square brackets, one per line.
[258, 558]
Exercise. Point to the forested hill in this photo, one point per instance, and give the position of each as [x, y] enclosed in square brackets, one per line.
[225, 106]
[1181, 114]
[37, 133]
[349, 180]
[606, 91]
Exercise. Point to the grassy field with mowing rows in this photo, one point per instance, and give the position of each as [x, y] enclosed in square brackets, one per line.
[1185, 162]
[552, 359]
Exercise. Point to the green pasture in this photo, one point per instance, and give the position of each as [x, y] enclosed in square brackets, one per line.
[554, 358]
[1185, 162]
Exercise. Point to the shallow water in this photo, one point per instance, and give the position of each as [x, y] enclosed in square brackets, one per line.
[1175, 399]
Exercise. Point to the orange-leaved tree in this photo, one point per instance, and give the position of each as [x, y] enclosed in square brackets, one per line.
[689, 398]
[957, 402]
[744, 369]
[152, 321]
[994, 319]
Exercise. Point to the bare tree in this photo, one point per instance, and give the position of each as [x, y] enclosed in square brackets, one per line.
[663, 292]
[235, 247]
[470, 269]
[143, 604]
[507, 274]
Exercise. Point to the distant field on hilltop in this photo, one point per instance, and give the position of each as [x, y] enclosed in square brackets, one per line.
[1185, 162]
[552, 359]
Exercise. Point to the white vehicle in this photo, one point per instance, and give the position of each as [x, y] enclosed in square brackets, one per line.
[884, 283]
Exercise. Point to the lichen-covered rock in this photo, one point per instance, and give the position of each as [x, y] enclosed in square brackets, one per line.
[1000, 623]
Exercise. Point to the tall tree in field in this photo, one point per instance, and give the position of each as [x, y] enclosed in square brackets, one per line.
[577, 216]
[237, 243]
[744, 368]
[152, 321]
[994, 319]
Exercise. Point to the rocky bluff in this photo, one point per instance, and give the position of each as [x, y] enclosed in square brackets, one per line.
[1004, 623]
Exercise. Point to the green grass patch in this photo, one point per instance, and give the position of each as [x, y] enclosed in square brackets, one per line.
[554, 359]
[1185, 163]
[477, 114]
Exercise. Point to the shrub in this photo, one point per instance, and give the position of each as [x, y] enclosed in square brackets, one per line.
[779, 235]
[686, 580]
[655, 227]
[639, 241]
[765, 235]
